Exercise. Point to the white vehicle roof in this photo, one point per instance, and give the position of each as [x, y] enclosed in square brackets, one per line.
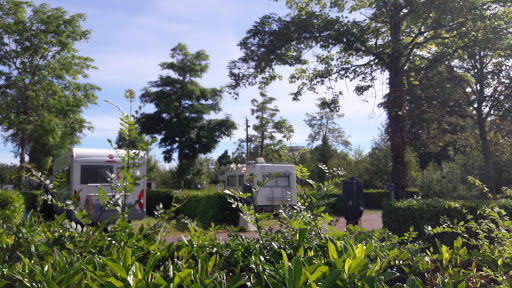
[96, 155]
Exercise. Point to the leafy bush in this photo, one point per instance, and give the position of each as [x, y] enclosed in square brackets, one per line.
[374, 199]
[154, 197]
[400, 216]
[11, 207]
[32, 200]
[203, 206]
[449, 181]
[207, 207]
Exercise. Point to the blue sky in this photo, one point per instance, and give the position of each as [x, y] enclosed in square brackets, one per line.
[130, 38]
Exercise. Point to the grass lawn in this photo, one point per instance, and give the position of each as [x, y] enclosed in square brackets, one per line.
[176, 228]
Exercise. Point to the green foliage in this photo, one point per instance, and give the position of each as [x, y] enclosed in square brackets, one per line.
[183, 108]
[7, 173]
[448, 181]
[400, 216]
[156, 197]
[303, 252]
[205, 207]
[11, 207]
[42, 96]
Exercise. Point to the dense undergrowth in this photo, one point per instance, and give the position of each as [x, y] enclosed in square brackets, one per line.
[302, 252]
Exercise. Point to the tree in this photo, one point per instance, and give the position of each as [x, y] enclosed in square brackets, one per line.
[41, 95]
[466, 90]
[134, 143]
[382, 37]
[439, 121]
[323, 125]
[182, 109]
[268, 126]
[224, 159]
[483, 62]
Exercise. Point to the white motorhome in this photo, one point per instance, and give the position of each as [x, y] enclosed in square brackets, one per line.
[281, 189]
[86, 170]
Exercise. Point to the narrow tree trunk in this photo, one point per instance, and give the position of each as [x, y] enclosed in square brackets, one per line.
[396, 109]
[262, 143]
[247, 158]
[481, 123]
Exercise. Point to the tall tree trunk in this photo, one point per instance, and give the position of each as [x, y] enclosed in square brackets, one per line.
[396, 110]
[23, 162]
[486, 151]
[180, 170]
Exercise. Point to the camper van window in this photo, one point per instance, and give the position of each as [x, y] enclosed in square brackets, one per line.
[95, 174]
[231, 181]
[277, 181]
[241, 180]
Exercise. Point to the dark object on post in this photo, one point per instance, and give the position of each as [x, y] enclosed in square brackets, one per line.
[391, 189]
[353, 199]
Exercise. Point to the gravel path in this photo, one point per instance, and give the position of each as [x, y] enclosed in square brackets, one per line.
[369, 221]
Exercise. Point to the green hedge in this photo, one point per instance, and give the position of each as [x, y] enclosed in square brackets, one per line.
[202, 206]
[11, 207]
[157, 196]
[399, 216]
[209, 206]
[374, 199]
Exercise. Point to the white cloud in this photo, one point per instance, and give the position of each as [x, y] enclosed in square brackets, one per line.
[104, 127]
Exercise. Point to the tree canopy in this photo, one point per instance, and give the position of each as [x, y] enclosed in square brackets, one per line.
[182, 110]
[42, 96]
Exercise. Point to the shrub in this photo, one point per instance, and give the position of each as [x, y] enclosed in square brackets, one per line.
[32, 200]
[207, 207]
[400, 216]
[201, 205]
[154, 197]
[11, 207]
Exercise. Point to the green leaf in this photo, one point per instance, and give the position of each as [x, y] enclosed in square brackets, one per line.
[333, 254]
[211, 263]
[117, 269]
[303, 232]
[388, 275]
[285, 258]
[127, 258]
[114, 282]
[331, 279]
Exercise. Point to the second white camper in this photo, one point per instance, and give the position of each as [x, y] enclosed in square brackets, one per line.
[281, 189]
